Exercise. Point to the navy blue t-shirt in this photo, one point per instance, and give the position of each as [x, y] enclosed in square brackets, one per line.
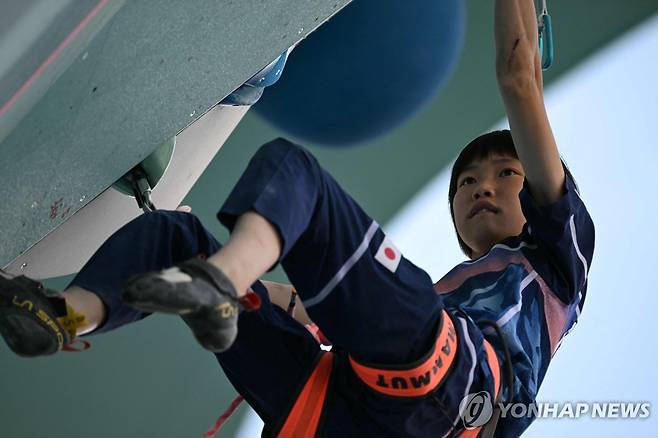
[532, 285]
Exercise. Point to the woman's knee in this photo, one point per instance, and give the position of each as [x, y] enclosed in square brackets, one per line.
[278, 149]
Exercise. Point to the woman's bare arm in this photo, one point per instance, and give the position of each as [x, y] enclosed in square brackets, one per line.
[519, 75]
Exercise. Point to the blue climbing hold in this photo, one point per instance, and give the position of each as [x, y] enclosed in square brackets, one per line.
[366, 71]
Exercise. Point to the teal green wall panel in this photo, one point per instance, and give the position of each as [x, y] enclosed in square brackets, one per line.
[153, 69]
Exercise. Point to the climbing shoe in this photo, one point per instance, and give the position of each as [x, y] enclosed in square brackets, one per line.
[30, 318]
[197, 291]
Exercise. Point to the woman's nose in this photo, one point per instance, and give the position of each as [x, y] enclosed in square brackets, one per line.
[484, 190]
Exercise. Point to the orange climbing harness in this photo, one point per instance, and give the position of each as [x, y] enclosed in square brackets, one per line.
[419, 378]
[305, 415]
[414, 380]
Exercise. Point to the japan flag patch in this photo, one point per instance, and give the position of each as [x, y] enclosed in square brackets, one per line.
[388, 255]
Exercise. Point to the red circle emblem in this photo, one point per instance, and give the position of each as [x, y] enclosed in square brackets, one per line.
[388, 252]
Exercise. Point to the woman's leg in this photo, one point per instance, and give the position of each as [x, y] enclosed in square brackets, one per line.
[366, 297]
[272, 353]
[36, 322]
[88, 305]
[153, 241]
[268, 360]
[371, 302]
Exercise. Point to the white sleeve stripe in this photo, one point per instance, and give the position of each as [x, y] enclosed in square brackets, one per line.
[471, 372]
[342, 272]
[572, 226]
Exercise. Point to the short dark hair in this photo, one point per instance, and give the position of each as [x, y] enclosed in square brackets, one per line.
[483, 147]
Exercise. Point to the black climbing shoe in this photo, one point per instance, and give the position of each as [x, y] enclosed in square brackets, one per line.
[28, 317]
[197, 291]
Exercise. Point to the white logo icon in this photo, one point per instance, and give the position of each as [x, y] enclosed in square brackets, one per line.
[476, 409]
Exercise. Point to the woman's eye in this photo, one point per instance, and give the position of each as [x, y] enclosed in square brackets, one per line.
[508, 172]
[467, 180]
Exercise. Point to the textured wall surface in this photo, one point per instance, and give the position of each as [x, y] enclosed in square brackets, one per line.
[151, 69]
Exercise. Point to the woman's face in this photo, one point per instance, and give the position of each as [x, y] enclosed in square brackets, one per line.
[486, 205]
